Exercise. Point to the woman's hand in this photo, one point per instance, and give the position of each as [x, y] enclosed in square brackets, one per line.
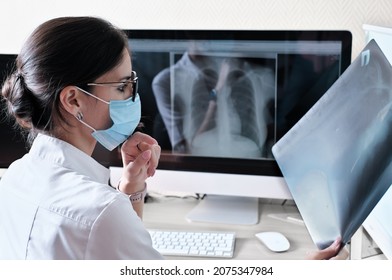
[333, 252]
[140, 155]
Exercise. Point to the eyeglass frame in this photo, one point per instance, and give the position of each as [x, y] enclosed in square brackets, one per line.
[133, 79]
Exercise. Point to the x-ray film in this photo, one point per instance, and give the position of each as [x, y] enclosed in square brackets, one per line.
[337, 160]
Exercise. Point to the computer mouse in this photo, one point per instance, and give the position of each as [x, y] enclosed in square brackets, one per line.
[275, 241]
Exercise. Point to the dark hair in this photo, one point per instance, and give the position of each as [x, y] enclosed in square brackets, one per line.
[60, 52]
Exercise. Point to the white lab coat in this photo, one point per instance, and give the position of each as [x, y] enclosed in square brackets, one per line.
[55, 203]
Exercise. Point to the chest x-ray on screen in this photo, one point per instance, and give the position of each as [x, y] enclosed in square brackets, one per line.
[230, 121]
[337, 160]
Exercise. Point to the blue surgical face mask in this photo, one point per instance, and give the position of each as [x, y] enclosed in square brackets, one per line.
[125, 115]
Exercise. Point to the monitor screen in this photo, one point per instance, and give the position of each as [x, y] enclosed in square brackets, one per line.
[217, 101]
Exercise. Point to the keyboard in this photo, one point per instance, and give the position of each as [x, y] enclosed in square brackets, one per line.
[194, 243]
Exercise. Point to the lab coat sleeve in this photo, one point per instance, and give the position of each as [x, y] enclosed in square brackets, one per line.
[118, 233]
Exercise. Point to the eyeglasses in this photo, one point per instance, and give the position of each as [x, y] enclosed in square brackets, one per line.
[133, 81]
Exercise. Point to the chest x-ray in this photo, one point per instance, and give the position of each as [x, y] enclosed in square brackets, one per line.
[337, 160]
[235, 124]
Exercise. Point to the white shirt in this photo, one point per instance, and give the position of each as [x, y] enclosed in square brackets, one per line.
[55, 203]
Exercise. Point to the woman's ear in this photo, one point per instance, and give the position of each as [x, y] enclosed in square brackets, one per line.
[71, 100]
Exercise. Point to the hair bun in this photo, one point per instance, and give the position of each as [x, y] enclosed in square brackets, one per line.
[19, 99]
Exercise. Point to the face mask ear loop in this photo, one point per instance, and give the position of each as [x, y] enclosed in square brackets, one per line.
[79, 117]
[92, 95]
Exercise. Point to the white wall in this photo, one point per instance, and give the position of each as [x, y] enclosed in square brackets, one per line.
[19, 17]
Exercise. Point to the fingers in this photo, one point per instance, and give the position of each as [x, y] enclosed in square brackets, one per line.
[143, 160]
[138, 137]
[138, 168]
[135, 174]
[136, 146]
[327, 253]
[155, 155]
[342, 255]
[138, 143]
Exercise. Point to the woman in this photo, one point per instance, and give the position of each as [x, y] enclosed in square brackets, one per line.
[73, 86]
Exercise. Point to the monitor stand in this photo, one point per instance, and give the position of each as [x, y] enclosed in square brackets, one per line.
[226, 210]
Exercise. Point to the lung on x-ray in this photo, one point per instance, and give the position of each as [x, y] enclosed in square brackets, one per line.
[337, 160]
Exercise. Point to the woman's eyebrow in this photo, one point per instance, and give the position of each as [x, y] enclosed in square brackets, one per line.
[127, 78]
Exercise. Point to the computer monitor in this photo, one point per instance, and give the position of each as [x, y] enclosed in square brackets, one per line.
[216, 137]
[217, 100]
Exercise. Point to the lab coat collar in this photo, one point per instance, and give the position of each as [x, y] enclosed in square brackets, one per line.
[62, 153]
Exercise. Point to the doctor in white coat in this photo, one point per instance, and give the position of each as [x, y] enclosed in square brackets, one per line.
[73, 86]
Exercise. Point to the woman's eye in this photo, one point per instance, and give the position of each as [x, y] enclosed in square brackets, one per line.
[122, 87]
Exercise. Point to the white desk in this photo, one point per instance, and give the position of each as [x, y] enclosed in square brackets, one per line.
[170, 213]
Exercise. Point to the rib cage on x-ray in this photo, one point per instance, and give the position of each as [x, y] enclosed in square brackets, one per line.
[239, 125]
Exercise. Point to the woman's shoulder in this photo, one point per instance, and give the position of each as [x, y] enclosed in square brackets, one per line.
[84, 199]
